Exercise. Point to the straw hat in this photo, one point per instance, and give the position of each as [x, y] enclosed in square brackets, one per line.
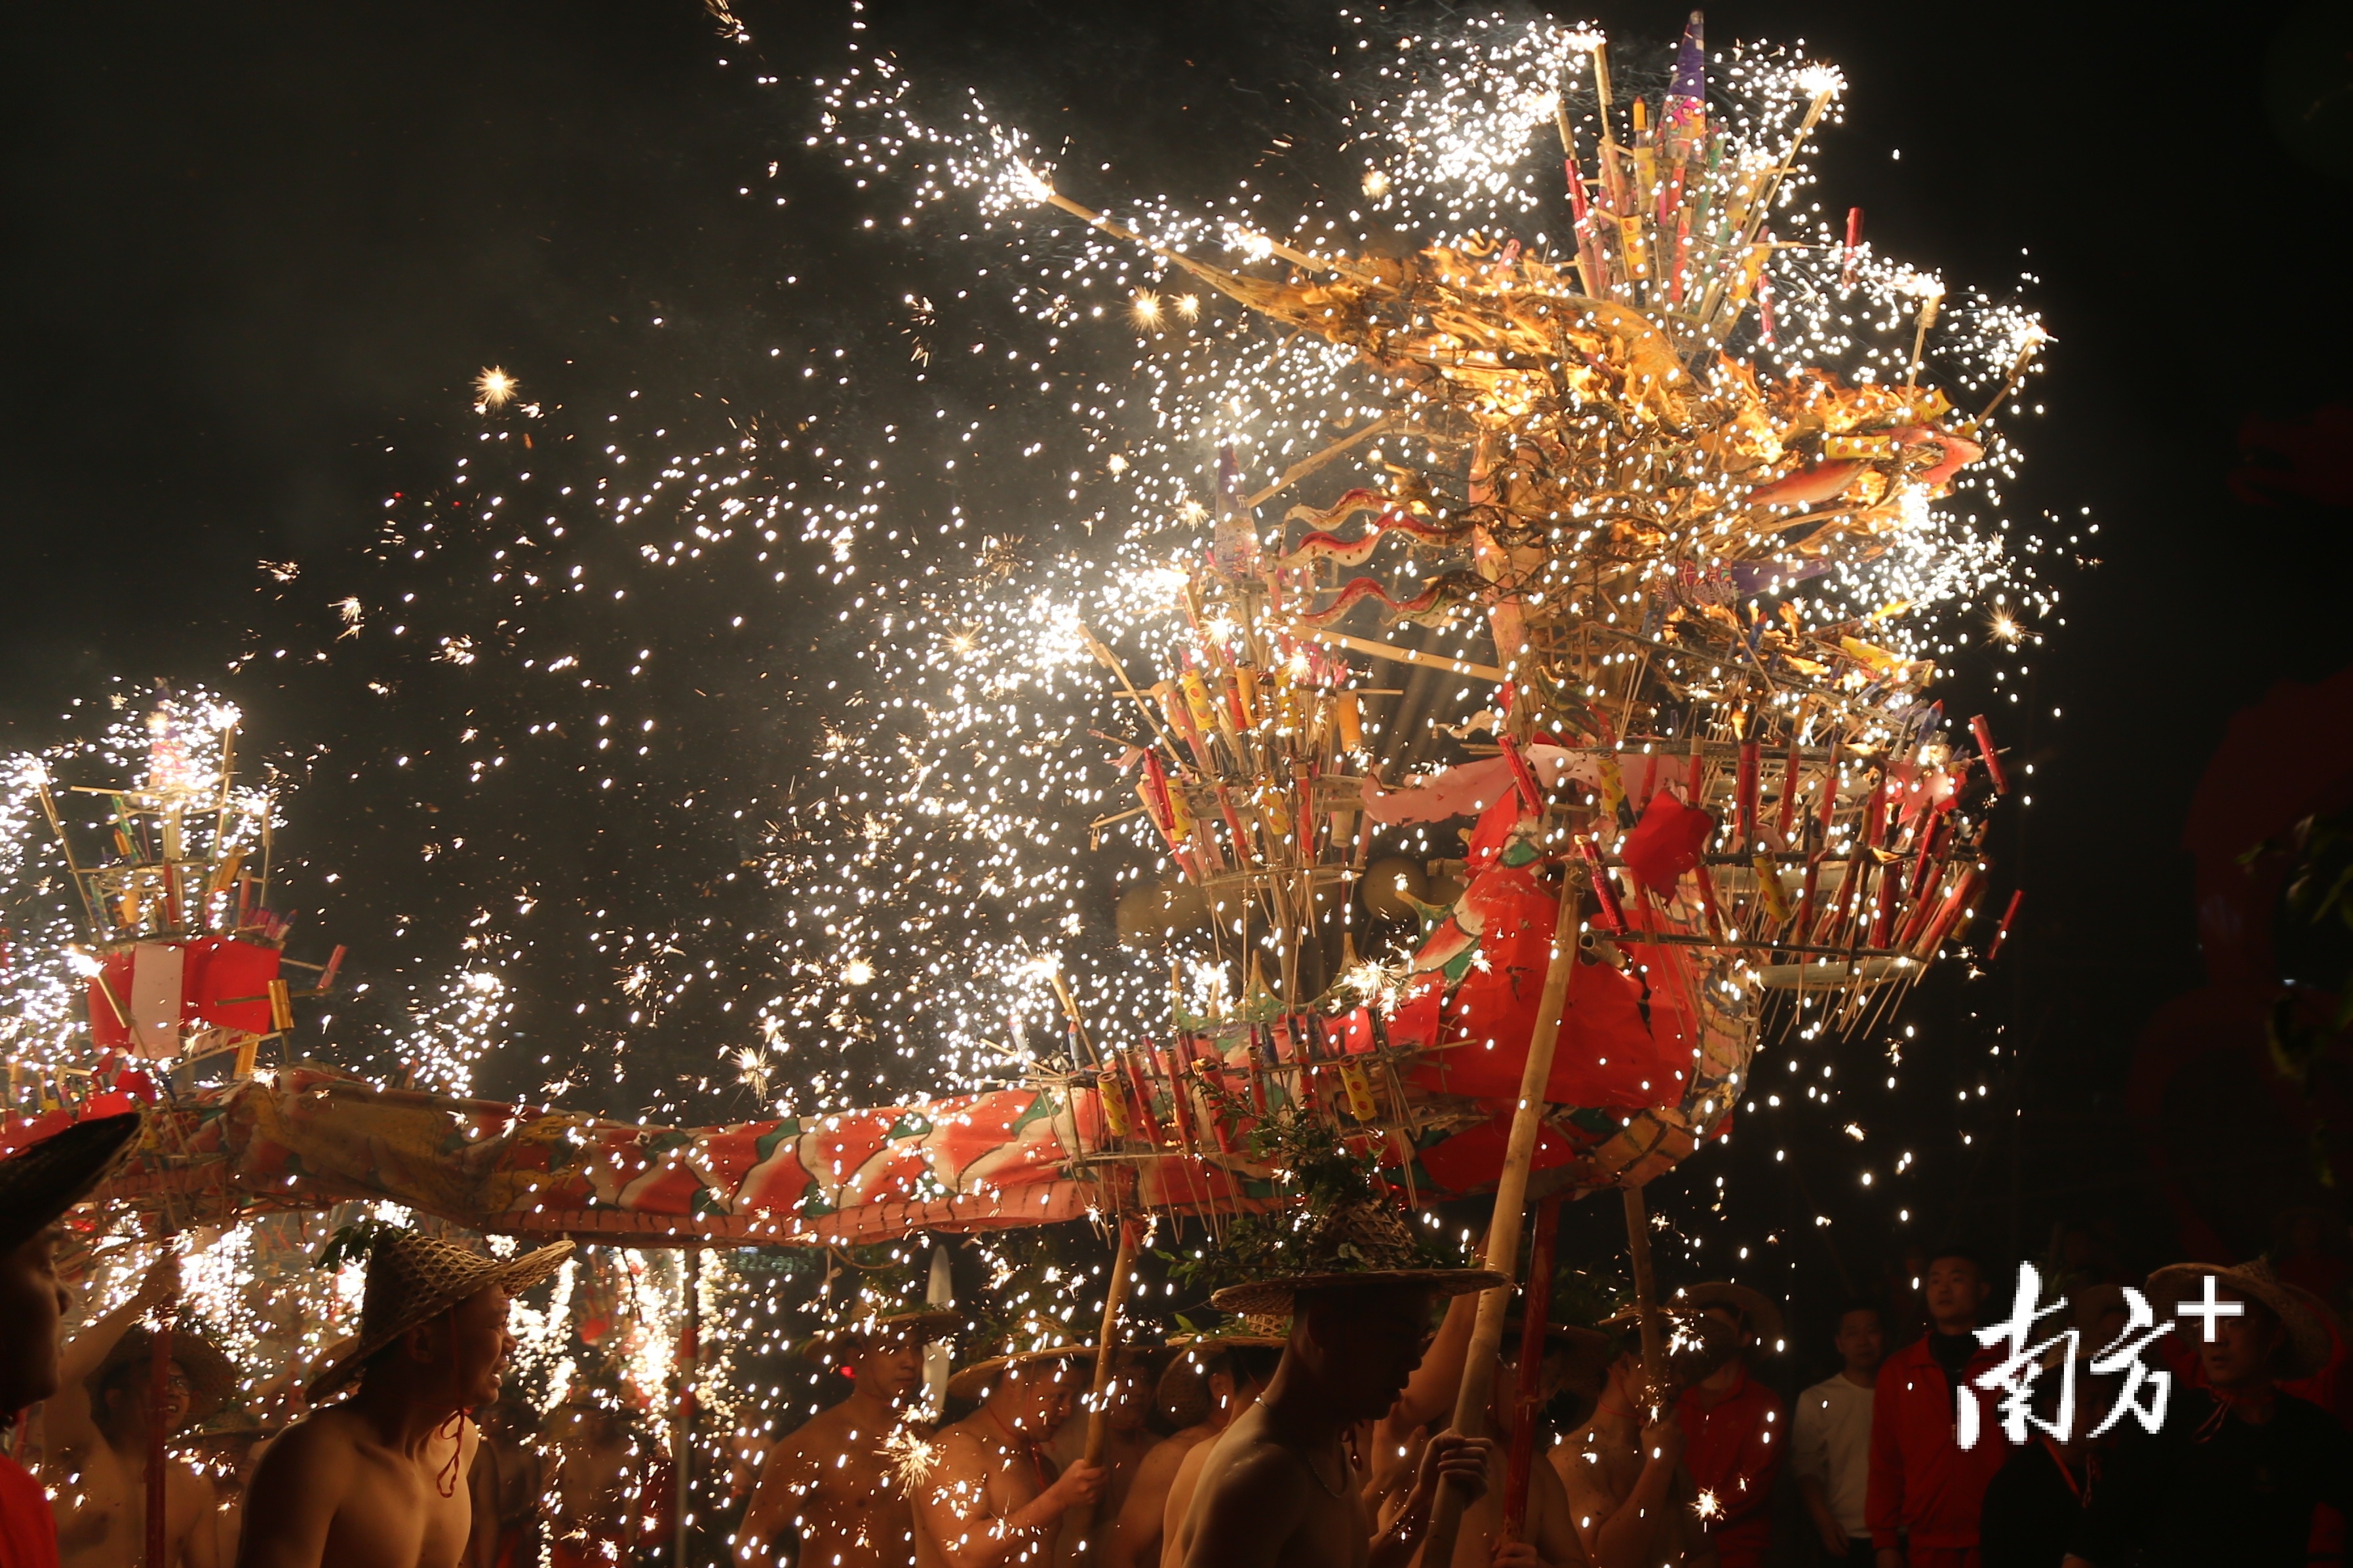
[1761, 1312]
[846, 1340]
[1695, 1343]
[1353, 1246]
[1262, 1331]
[1035, 1340]
[412, 1278]
[2302, 1352]
[238, 1423]
[1182, 1394]
[211, 1378]
[39, 1183]
[1588, 1353]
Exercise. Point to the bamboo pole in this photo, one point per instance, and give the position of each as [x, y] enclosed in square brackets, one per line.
[1306, 466]
[1391, 651]
[1123, 1274]
[1503, 1229]
[1646, 1296]
[681, 1428]
[159, 1374]
[1535, 1306]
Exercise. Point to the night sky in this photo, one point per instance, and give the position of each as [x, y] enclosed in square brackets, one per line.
[255, 257]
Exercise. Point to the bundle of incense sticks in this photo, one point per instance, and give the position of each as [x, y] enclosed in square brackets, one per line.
[1670, 221]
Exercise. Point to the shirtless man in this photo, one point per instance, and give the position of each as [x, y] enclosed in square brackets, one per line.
[226, 1450]
[1547, 1536]
[602, 1474]
[1126, 1441]
[831, 1480]
[1237, 1371]
[1280, 1488]
[98, 1431]
[38, 1184]
[992, 1497]
[1629, 1496]
[379, 1480]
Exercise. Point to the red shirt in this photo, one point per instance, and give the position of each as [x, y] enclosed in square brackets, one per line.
[28, 1530]
[1922, 1481]
[1733, 1448]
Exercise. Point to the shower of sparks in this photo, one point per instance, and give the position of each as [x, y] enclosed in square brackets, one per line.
[1455, 136]
[911, 1459]
[900, 586]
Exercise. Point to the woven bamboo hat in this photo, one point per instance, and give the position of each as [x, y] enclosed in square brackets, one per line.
[1354, 1245]
[412, 1278]
[1262, 1331]
[39, 1183]
[1183, 1392]
[1763, 1314]
[1586, 1353]
[873, 1322]
[211, 1378]
[2302, 1350]
[1695, 1343]
[1035, 1339]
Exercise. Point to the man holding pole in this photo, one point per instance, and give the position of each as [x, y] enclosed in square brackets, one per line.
[1629, 1494]
[1545, 1531]
[831, 1480]
[1281, 1486]
[993, 1498]
[103, 1426]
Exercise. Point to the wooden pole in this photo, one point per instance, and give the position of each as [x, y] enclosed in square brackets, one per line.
[1646, 1296]
[1535, 1306]
[682, 1426]
[1123, 1275]
[158, 1435]
[1503, 1229]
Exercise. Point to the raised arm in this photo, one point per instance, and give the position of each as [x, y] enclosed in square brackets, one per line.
[68, 1422]
[958, 1513]
[1259, 1503]
[1429, 1398]
[161, 1283]
[301, 1482]
[1631, 1537]
[1449, 1456]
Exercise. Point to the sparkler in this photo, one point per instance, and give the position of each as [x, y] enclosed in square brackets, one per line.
[494, 387]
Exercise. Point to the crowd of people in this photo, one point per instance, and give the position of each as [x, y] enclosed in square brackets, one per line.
[2194, 1418]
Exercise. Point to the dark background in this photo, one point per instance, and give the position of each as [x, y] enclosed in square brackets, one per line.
[253, 258]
